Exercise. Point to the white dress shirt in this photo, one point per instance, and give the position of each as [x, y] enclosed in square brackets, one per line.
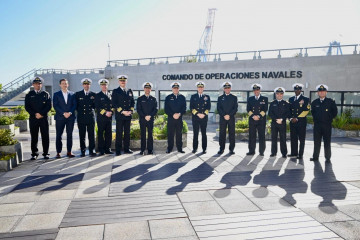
[65, 94]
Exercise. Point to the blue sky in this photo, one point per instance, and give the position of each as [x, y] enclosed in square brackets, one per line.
[73, 34]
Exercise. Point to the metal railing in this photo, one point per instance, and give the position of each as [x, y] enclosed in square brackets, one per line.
[71, 71]
[231, 56]
[23, 79]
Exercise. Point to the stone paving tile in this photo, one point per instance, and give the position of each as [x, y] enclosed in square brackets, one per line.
[326, 214]
[203, 208]
[7, 223]
[127, 231]
[18, 197]
[171, 228]
[93, 232]
[91, 192]
[40, 221]
[351, 210]
[194, 196]
[14, 209]
[349, 230]
[45, 234]
[53, 206]
[58, 195]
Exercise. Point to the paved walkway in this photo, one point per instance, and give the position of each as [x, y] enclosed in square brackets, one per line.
[183, 196]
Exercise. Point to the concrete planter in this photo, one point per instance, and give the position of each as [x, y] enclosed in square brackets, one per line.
[16, 148]
[11, 127]
[309, 126]
[158, 144]
[51, 120]
[344, 133]
[6, 165]
[245, 136]
[16, 131]
[216, 118]
[23, 125]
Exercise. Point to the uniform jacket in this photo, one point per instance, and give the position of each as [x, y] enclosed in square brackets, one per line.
[323, 112]
[227, 105]
[257, 107]
[279, 110]
[37, 103]
[175, 104]
[103, 105]
[200, 105]
[122, 101]
[299, 108]
[146, 106]
[85, 106]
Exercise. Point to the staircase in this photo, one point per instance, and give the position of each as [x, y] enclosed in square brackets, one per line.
[17, 86]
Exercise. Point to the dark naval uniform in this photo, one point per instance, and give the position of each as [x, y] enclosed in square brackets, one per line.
[122, 100]
[323, 113]
[103, 105]
[146, 106]
[86, 119]
[299, 109]
[257, 107]
[200, 104]
[175, 104]
[38, 103]
[277, 110]
[227, 105]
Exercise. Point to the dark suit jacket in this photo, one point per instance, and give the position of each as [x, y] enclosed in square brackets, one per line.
[61, 107]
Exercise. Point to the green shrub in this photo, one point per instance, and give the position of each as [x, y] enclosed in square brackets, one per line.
[310, 119]
[135, 131]
[161, 111]
[6, 137]
[23, 115]
[243, 123]
[340, 121]
[135, 115]
[351, 127]
[5, 109]
[185, 128]
[241, 115]
[159, 121]
[6, 156]
[52, 112]
[5, 120]
[241, 130]
[188, 112]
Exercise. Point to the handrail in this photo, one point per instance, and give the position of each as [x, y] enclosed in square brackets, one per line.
[217, 56]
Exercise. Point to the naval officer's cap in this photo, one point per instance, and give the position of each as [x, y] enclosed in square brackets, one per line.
[256, 86]
[86, 81]
[226, 84]
[298, 86]
[38, 80]
[175, 85]
[321, 87]
[147, 85]
[103, 82]
[200, 84]
[122, 77]
[279, 90]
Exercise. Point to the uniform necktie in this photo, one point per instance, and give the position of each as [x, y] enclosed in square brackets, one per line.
[257, 98]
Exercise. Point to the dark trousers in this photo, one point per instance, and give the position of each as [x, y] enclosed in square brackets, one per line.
[322, 131]
[90, 128]
[297, 134]
[230, 125]
[149, 125]
[258, 126]
[43, 125]
[199, 124]
[104, 135]
[122, 126]
[278, 129]
[174, 126]
[60, 125]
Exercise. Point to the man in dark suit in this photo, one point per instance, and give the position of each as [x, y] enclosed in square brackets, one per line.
[299, 109]
[279, 111]
[104, 117]
[146, 107]
[38, 104]
[175, 108]
[227, 107]
[323, 110]
[85, 105]
[123, 102]
[200, 105]
[257, 107]
[64, 102]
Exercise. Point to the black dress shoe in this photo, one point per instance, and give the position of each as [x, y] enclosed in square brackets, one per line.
[58, 155]
[181, 151]
[194, 151]
[314, 159]
[150, 152]
[92, 154]
[34, 157]
[220, 152]
[46, 156]
[82, 154]
[231, 152]
[284, 156]
[109, 152]
[328, 160]
[204, 151]
[70, 155]
[101, 154]
[117, 153]
[250, 153]
[168, 151]
[261, 154]
[142, 153]
[299, 157]
[128, 151]
[272, 155]
[291, 155]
